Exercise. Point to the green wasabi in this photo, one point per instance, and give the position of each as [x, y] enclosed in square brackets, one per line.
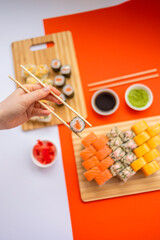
[138, 97]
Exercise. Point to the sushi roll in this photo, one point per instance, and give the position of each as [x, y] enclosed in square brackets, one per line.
[56, 65]
[126, 173]
[59, 81]
[103, 153]
[77, 125]
[128, 158]
[129, 145]
[105, 163]
[90, 163]
[88, 153]
[89, 139]
[44, 119]
[115, 142]
[42, 71]
[92, 173]
[68, 91]
[63, 98]
[29, 67]
[100, 142]
[150, 168]
[126, 135]
[48, 81]
[66, 70]
[114, 132]
[116, 168]
[117, 154]
[102, 177]
[30, 80]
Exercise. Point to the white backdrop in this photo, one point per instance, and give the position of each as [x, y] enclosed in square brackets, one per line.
[33, 201]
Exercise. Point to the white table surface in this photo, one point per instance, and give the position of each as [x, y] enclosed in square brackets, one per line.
[33, 201]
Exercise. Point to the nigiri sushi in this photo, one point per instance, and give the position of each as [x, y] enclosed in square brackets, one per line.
[77, 125]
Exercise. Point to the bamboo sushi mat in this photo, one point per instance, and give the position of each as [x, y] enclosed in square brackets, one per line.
[90, 191]
[63, 49]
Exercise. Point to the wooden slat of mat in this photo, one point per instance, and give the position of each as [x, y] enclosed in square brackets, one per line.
[63, 49]
[90, 191]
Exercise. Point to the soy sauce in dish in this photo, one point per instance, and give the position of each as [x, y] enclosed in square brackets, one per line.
[105, 101]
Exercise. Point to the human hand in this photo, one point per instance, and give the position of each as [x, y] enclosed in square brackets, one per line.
[20, 106]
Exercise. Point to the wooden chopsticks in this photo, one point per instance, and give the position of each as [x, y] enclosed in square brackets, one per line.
[60, 99]
[124, 77]
[43, 104]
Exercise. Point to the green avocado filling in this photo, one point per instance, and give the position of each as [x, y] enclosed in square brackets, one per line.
[138, 97]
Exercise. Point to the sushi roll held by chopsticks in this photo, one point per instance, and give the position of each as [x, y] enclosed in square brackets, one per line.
[77, 125]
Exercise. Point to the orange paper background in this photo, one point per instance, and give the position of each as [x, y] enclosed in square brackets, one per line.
[112, 42]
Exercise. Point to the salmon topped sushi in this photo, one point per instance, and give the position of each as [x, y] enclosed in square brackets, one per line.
[100, 142]
[88, 152]
[102, 177]
[90, 163]
[88, 140]
[92, 173]
[103, 153]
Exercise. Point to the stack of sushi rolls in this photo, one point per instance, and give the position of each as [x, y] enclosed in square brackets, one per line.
[96, 159]
[122, 144]
[68, 91]
[147, 139]
[55, 65]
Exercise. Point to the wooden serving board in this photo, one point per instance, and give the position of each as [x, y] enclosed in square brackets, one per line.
[62, 49]
[90, 191]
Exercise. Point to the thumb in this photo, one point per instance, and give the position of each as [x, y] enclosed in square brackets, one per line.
[37, 95]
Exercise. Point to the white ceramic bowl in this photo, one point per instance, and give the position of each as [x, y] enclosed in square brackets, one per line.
[139, 86]
[97, 110]
[37, 163]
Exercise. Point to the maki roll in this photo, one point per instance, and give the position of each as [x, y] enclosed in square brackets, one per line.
[42, 71]
[116, 168]
[125, 136]
[129, 145]
[48, 81]
[114, 132]
[64, 99]
[56, 65]
[117, 154]
[126, 173]
[29, 67]
[59, 81]
[128, 158]
[30, 80]
[42, 118]
[77, 125]
[115, 142]
[66, 70]
[68, 91]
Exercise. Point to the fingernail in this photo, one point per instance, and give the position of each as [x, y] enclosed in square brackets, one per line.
[46, 89]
